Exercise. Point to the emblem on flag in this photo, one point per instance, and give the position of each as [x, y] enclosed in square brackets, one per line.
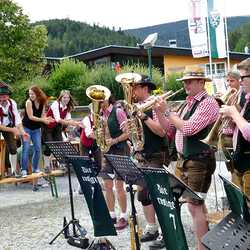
[214, 18]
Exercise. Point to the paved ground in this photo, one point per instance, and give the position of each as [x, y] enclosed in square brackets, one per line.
[29, 220]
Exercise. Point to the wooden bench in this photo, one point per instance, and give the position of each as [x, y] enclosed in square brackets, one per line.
[217, 216]
[2, 157]
[50, 177]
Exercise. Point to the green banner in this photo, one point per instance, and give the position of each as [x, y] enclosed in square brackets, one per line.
[166, 210]
[92, 191]
[237, 200]
[216, 28]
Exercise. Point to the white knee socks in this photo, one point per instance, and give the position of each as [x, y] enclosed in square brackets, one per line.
[13, 162]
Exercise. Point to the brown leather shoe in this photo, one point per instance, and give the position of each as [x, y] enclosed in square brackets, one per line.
[121, 224]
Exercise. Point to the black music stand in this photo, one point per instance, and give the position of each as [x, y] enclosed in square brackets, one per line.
[60, 150]
[178, 189]
[86, 172]
[130, 174]
[233, 232]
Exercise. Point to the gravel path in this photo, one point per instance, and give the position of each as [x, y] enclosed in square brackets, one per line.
[29, 220]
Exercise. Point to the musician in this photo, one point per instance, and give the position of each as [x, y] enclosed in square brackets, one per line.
[233, 82]
[87, 138]
[153, 154]
[241, 136]
[196, 161]
[60, 111]
[88, 146]
[114, 118]
[11, 125]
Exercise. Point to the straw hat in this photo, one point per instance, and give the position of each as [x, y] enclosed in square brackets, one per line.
[194, 72]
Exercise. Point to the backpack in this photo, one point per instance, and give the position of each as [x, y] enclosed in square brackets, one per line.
[86, 142]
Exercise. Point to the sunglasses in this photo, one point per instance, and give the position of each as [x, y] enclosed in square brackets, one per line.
[243, 77]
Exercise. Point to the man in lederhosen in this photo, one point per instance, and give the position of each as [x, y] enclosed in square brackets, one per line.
[196, 161]
[10, 125]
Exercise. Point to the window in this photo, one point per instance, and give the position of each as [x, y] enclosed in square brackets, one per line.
[218, 69]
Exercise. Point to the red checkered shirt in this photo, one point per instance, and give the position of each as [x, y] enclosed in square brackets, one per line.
[206, 113]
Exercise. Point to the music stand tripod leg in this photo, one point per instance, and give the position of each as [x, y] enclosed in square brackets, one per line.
[73, 221]
[51, 186]
[65, 227]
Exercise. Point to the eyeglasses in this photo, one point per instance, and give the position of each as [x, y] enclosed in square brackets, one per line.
[243, 77]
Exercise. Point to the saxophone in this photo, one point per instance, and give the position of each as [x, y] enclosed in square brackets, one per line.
[98, 94]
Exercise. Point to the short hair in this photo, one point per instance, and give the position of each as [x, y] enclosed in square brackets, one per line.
[234, 74]
[244, 65]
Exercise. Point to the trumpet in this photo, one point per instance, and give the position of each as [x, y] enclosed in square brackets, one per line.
[98, 94]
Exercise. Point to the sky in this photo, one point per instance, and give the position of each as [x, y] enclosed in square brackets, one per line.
[127, 14]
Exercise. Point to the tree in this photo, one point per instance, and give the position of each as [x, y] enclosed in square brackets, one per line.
[21, 44]
[240, 38]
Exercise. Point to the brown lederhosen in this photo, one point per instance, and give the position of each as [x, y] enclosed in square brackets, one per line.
[196, 172]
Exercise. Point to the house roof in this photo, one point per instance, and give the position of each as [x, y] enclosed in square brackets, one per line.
[157, 51]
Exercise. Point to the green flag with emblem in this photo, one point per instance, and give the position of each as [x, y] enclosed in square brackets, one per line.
[166, 210]
[216, 28]
[92, 191]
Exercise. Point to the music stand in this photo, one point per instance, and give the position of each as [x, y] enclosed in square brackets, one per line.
[127, 170]
[233, 232]
[180, 188]
[85, 170]
[60, 150]
[163, 193]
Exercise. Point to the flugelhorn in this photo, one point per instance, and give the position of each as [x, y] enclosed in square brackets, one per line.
[153, 99]
[98, 94]
[230, 98]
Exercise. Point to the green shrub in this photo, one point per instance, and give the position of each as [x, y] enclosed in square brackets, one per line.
[105, 75]
[20, 89]
[174, 85]
[157, 76]
[70, 76]
[76, 77]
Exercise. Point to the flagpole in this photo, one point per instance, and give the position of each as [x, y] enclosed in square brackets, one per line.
[210, 53]
[227, 42]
